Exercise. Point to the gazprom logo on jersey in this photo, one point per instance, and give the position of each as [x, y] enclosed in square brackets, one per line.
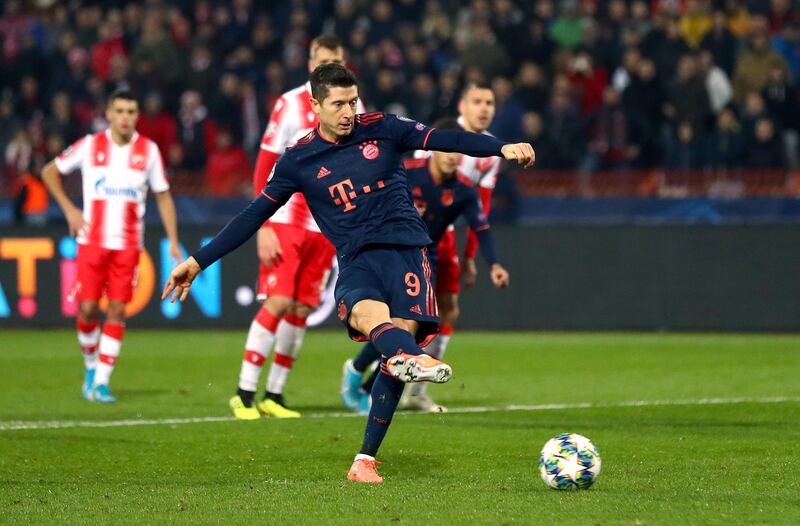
[101, 188]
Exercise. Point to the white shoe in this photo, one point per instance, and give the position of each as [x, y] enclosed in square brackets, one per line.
[417, 399]
[410, 368]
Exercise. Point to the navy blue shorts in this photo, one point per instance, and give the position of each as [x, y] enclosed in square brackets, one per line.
[399, 276]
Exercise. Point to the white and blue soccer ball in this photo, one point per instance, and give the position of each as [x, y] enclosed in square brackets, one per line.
[569, 461]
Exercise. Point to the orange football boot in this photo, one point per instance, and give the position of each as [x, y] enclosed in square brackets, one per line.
[365, 471]
[418, 368]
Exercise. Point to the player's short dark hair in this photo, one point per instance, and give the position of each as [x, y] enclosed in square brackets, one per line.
[475, 85]
[328, 76]
[446, 123]
[123, 94]
[327, 41]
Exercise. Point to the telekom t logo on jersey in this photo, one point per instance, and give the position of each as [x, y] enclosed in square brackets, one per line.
[344, 192]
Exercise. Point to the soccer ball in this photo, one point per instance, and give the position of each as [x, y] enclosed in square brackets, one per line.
[569, 461]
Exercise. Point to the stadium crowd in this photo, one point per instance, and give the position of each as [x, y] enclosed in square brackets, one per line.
[593, 84]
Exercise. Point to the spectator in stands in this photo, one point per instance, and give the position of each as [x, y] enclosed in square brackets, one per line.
[721, 43]
[783, 106]
[727, 144]
[225, 106]
[687, 100]
[202, 73]
[109, 44]
[720, 91]
[611, 137]
[507, 122]
[754, 65]
[564, 130]
[665, 46]
[622, 76]
[766, 151]
[533, 132]
[754, 109]
[9, 125]
[30, 99]
[423, 101]
[61, 122]
[157, 124]
[781, 14]
[685, 152]
[228, 170]
[695, 23]
[567, 28]
[196, 132]
[31, 200]
[530, 90]
[155, 59]
[644, 100]
[483, 51]
[588, 82]
[535, 45]
[787, 45]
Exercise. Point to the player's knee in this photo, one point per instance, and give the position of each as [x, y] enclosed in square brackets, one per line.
[278, 305]
[453, 313]
[89, 311]
[368, 314]
[115, 312]
[301, 310]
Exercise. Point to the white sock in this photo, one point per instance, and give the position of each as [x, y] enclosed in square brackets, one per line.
[288, 341]
[432, 349]
[88, 338]
[362, 456]
[417, 388]
[444, 340]
[110, 343]
[260, 338]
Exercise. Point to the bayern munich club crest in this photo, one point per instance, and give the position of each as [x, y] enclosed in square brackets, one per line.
[370, 150]
[342, 311]
[447, 197]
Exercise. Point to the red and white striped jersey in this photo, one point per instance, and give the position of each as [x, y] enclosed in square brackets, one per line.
[292, 119]
[482, 171]
[115, 183]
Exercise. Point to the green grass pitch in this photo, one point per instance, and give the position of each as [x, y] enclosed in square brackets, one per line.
[728, 455]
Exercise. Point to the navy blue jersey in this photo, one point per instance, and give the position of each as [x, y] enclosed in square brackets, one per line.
[441, 204]
[356, 189]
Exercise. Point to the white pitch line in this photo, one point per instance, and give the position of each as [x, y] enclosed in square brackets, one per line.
[64, 424]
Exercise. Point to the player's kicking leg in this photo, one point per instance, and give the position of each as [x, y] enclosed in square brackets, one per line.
[402, 361]
[394, 310]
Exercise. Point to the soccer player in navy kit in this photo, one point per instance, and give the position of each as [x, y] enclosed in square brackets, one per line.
[350, 171]
[441, 195]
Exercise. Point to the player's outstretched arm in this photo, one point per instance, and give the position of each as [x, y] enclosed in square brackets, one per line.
[478, 145]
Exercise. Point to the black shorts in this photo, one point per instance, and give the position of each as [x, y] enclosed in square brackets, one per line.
[399, 276]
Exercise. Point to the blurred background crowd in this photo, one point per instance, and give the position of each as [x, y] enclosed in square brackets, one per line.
[595, 85]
